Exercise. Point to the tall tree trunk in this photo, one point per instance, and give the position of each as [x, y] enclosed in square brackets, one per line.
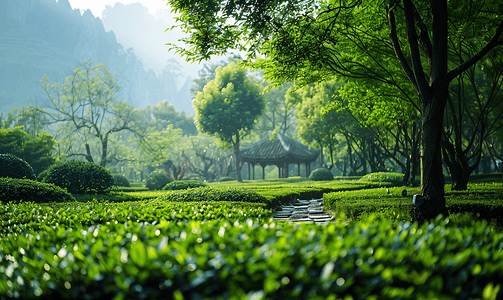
[104, 146]
[432, 177]
[89, 157]
[236, 152]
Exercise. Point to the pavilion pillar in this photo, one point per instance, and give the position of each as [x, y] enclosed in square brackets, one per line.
[249, 171]
[298, 169]
[279, 171]
[263, 171]
[253, 166]
[287, 166]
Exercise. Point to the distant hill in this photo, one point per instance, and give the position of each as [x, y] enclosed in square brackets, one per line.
[40, 37]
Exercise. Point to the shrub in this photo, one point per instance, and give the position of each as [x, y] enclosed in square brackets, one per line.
[210, 194]
[121, 180]
[14, 167]
[14, 189]
[382, 177]
[80, 177]
[226, 178]
[321, 174]
[157, 180]
[42, 175]
[183, 185]
[228, 259]
[192, 176]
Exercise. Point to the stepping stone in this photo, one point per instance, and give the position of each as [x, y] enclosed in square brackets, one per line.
[305, 211]
[304, 220]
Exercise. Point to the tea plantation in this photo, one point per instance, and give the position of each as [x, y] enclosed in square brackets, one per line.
[220, 242]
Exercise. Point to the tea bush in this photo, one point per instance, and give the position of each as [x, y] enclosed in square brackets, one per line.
[121, 180]
[321, 174]
[210, 194]
[383, 177]
[14, 167]
[183, 185]
[80, 177]
[15, 189]
[157, 180]
[18, 217]
[42, 175]
[264, 260]
[226, 178]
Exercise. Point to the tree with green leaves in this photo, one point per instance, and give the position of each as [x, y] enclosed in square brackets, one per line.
[36, 151]
[229, 106]
[33, 119]
[474, 113]
[87, 108]
[308, 41]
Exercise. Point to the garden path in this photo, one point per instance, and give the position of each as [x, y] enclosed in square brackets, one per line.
[305, 211]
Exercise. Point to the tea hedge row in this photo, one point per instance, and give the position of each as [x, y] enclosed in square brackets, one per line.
[262, 260]
[14, 189]
[28, 216]
[483, 200]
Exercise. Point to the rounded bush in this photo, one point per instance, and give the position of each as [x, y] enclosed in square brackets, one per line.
[157, 180]
[321, 174]
[80, 177]
[226, 178]
[183, 185]
[14, 167]
[382, 177]
[121, 180]
[15, 190]
[42, 175]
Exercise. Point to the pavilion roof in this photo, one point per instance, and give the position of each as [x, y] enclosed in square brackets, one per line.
[278, 151]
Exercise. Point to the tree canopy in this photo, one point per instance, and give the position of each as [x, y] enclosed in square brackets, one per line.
[310, 41]
[89, 111]
[229, 106]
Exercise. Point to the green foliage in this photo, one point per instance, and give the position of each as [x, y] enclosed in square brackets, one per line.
[157, 180]
[226, 178]
[229, 259]
[14, 167]
[18, 217]
[321, 174]
[121, 180]
[228, 104]
[15, 190]
[80, 177]
[211, 194]
[89, 112]
[36, 150]
[183, 185]
[42, 175]
[382, 177]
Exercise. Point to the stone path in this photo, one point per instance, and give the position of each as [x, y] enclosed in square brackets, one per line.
[306, 211]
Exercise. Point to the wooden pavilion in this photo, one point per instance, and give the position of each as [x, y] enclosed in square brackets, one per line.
[282, 152]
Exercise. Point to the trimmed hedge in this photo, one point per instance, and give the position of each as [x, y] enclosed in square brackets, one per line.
[80, 177]
[15, 167]
[210, 194]
[321, 174]
[29, 216]
[226, 178]
[383, 177]
[183, 185]
[221, 259]
[121, 180]
[157, 180]
[15, 189]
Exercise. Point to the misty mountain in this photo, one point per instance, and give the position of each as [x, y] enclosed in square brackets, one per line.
[40, 37]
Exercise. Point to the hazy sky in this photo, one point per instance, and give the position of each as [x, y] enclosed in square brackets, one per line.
[97, 6]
